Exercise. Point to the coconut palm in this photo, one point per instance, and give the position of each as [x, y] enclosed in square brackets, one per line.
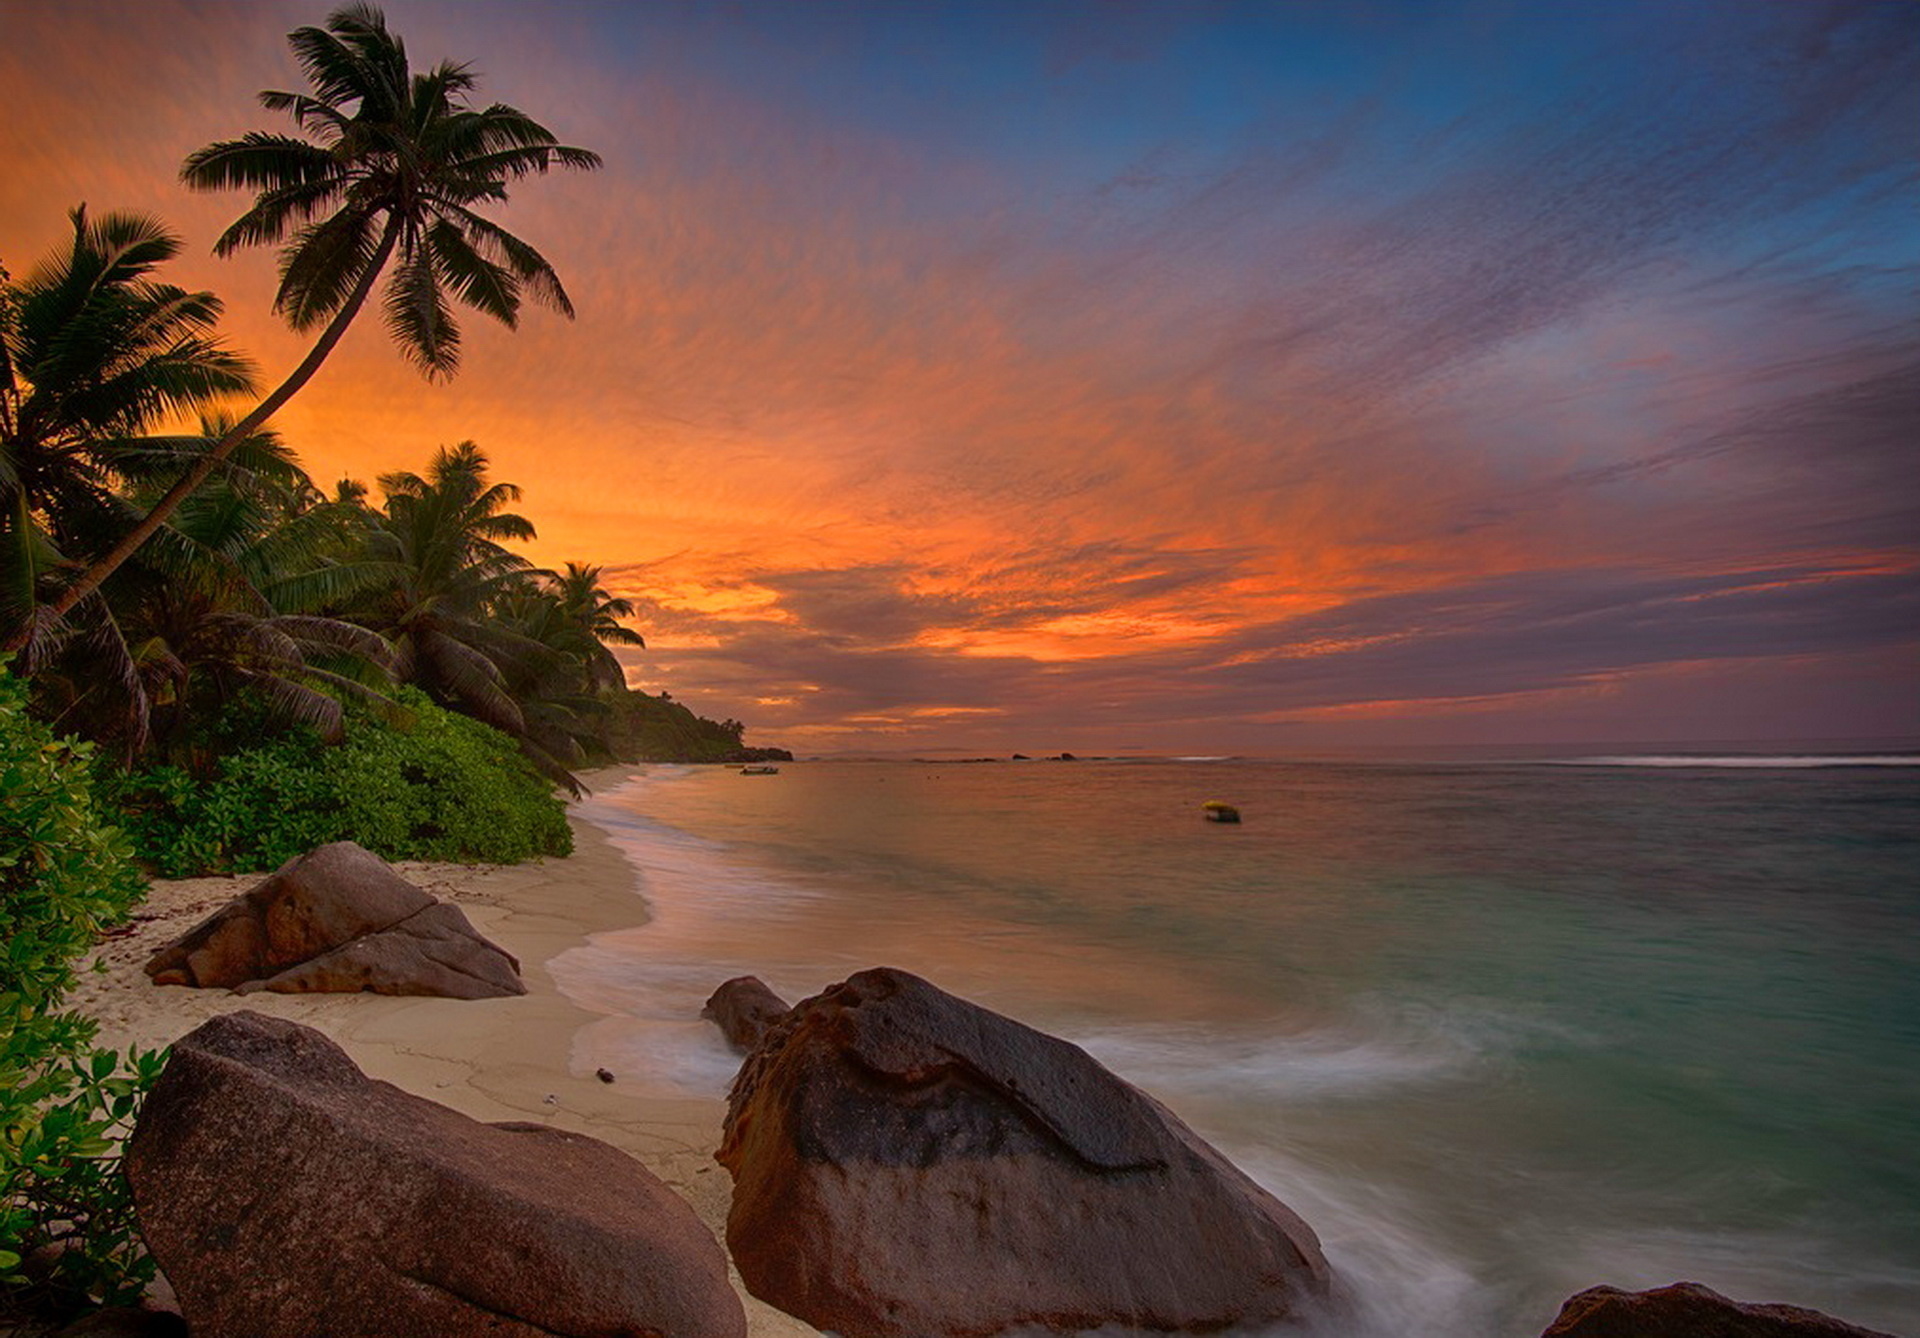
[232, 602]
[94, 352]
[442, 537]
[223, 602]
[391, 166]
[595, 614]
[566, 717]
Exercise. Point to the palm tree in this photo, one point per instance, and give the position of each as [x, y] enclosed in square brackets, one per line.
[442, 538]
[565, 717]
[93, 352]
[595, 614]
[393, 165]
[225, 600]
[229, 598]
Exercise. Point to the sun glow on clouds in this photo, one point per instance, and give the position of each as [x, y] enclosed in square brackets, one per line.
[1079, 408]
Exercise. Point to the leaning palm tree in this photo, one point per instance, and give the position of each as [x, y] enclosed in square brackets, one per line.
[94, 353]
[392, 167]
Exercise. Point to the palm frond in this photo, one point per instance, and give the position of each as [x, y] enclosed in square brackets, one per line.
[471, 679]
[320, 268]
[330, 121]
[329, 585]
[342, 61]
[275, 210]
[297, 704]
[335, 634]
[258, 160]
[475, 280]
[535, 272]
[419, 319]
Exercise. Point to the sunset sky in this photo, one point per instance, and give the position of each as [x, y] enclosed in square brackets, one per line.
[1169, 376]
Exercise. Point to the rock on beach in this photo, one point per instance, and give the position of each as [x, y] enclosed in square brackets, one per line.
[284, 1192]
[338, 920]
[745, 1010]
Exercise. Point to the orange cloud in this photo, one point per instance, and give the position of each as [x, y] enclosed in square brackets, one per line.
[842, 403]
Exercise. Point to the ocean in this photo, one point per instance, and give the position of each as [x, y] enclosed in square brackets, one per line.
[1499, 1030]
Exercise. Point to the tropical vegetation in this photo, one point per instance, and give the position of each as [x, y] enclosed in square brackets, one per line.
[209, 662]
[281, 665]
[390, 166]
[66, 1216]
[177, 588]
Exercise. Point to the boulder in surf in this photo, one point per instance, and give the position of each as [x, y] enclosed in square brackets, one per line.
[1689, 1310]
[907, 1163]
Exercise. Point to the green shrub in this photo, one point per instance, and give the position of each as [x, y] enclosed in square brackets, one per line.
[64, 1106]
[441, 787]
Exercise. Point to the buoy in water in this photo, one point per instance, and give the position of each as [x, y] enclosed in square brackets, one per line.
[1219, 812]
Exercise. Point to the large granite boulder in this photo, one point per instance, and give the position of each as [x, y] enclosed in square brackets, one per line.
[1689, 1310]
[745, 1010]
[909, 1165]
[284, 1192]
[338, 920]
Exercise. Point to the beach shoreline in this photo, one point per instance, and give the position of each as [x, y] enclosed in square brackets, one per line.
[491, 1059]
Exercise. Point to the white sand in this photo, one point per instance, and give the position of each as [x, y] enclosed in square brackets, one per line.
[493, 1059]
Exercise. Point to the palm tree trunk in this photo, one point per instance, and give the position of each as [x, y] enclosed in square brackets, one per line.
[189, 482]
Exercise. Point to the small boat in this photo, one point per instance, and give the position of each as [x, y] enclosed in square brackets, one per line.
[759, 771]
[1219, 812]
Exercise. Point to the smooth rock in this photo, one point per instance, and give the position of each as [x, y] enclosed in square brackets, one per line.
[338, 919]
[284, 1192]
[436, 952]
[1689, 1310]
[745, 1010]
[909, 1165]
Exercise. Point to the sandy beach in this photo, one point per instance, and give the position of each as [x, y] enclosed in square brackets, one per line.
[496, 1059]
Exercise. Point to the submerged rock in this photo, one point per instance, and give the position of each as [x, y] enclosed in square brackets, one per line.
[338, 920]
[1689, 1310]
[284, 1192]
[745, 1010]
[907, 1163]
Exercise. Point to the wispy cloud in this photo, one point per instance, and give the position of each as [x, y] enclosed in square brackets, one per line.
[1202, 366]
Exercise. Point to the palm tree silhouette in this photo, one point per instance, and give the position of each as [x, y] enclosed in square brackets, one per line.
[94, 352]
[392, 168]
[441, 537]
[595, 615]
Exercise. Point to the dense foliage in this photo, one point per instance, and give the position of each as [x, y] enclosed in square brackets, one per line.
[432, 786]
[66, 1216]
[159, 579]
[258, 666]
[338, 629]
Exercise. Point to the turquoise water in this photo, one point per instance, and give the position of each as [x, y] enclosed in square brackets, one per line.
[1499, 1031]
